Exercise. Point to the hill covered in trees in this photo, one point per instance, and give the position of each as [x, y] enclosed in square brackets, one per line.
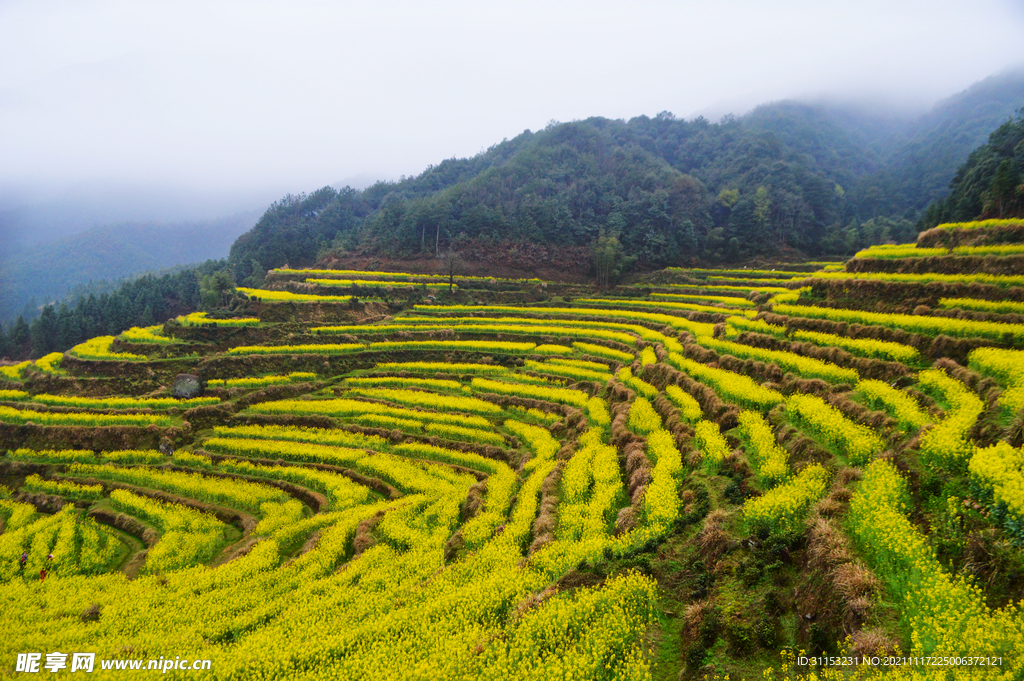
[820, 179]
[989, 183]
[784, 181]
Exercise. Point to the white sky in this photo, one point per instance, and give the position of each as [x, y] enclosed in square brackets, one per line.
[290, 96]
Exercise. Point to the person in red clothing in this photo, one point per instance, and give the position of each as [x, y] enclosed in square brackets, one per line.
[42, 574]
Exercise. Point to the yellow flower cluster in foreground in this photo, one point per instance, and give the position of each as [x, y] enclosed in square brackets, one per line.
[856, 442]
[804, 366]
[770, 460]
[945, 615]
[1007, 366]
[734, 387]
[948, 442]
[932, 326]
[782, 509]
[99, 348]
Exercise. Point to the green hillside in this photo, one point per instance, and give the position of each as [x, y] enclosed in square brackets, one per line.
[815, 179]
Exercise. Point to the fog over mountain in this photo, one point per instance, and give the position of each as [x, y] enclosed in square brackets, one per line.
[114, 111]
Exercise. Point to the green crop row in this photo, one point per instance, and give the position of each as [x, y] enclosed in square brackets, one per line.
[44, 418]
[781, 510]
[900, 405]
[770, 460]
[979, 305]
[689, 307]
[865, 347]
[732, 387]
[856, 442]
[1007, 367]
[907, 322]
[925, 278]
[788, 361]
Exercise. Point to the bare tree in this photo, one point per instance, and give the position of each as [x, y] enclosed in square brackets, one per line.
[452, 262]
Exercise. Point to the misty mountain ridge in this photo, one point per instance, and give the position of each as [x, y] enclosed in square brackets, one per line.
[48, 271]
[888, 165]
[811, 179]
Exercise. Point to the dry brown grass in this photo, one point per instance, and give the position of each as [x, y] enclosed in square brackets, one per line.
[854, 580]
[694, 616]
[626, 520]
[874, 641]
[827, 547]
[713, 539]
[828, 507]
[640, 478]
[841, 495]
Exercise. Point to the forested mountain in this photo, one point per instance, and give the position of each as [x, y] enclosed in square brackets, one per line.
[820, 179]
[926, 154]
[143, 301]
[787, 179]
[988, 184]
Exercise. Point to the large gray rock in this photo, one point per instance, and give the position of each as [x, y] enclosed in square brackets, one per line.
[187, 386]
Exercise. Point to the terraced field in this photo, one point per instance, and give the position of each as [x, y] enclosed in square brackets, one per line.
[484, 478]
